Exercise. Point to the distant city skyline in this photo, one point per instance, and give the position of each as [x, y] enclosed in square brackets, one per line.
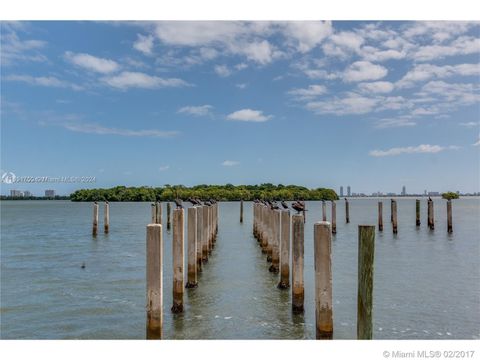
[371, 105]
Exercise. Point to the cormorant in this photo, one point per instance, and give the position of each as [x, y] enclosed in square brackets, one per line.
[192, 201]
[298, 206]
[178, 202]
[285, 205]
[83, 265]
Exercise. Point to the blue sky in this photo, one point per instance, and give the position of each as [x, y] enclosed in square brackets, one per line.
[373, 105]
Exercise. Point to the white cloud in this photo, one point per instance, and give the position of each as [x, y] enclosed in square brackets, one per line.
[377, 87]
[469, 124]
[144, 44]
[164, 168]
[394, 122]
[15, 49]
[201, 110]
[439, 31]
[364, 70]
[129, 79]
[463, 45]
[420, 149]
[208, 53]
[425, 72]
[90, 128]
[343, 44]
[259, 51]
[241, 66]
[249, 115]
[455, 93]
[222, 70]
[46, 81]
[241, 86]
[371, 53]
[308, 93]
[230, 163]
[351, 103]
[477, 143]
[92, 63]
[307, 34]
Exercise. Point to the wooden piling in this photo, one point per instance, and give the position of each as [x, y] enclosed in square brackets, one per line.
[254, 209]
[106, 218]
[270, 235]
[366, 250]
[417, 212]
[275, 267]
[205, 234]
[209, 229]
[347, 211]
[380, 216]
[178, 253]
[168, 215]
[394, 217]
[334, 217]
[154, 281]
[322, 238]
[449, 216]
[391, 210]
[431, 218]
[285, 251]
[95, 219]
[324, 211]
[297, 263]
[264, 228]
[154, 214]
[241, 211]
[192, 248]
[199, 237]
[158, 212]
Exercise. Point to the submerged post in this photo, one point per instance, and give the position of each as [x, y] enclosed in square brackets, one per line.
[199, 237]
[334, 217]
[154, 281]
[192, 248]
[347, 211]
[449, 216]
[241, 211]
[366, 250]
[297, 263]
[106, 218]
[95, 219]
[276, 242]
[380, 216]
[168, 215]
[322, 238]
[324, 211]
[417, 212]
[394, 217]
[285, 251]
[431, 219]
[158, 212]
[177, 252]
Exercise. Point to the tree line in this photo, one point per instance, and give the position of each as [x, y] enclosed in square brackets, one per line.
[226, 192]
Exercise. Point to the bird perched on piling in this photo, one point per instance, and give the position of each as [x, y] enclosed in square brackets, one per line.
[193, 201]
[274, 205]
[285, 205]
[299, 206]
[178, 202]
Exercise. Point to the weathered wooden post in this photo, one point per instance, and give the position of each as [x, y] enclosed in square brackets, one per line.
[270, 235]
[334, 217]
[168, 215]
[417, 212]
[297, 263]
[209, 229]
[241, 211]
[347, 211]
[391, 210]
[322, 238]
[154, 214]
[324, 211]
[449, 216]
[366, 250]
[106, 218]
[154, 281]
[95, 219]
[264, 229]
[192, 248]
[431, 219]
[158, 212]
[254, 208]
[394, 217]
[199, 237]
[178, 252]
[205, 234]
[380, 216]
[285, 251]
[276, 242]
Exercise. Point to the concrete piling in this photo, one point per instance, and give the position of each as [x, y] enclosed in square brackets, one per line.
[154, 281]
[106, 218]
[95, 219]
[366, 250]
[417, 212]
[297, 264]
[269, 249]
[276, 219]
[178, 253]
[322, 238]
[380, 216]
[205, 234]
[154, 214]
[158, 212]
[285, 251]
[394, 217]
[192, 247]
[324, 211]
[334, 217]
[199, 237]
[449, 216]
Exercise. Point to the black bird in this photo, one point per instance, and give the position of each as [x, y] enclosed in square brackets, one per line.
[192, 201]
[208, 203]
[429, 198]
[274, 205]
[83, 265]
[285, 205]
[178, 202]
[298, 206]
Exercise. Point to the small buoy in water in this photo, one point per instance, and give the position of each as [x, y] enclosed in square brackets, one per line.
[83, 266]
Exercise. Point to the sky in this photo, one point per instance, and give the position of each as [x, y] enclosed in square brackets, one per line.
[373, 105]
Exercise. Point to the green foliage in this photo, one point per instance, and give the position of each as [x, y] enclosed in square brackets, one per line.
[449, 195]
[226, 192]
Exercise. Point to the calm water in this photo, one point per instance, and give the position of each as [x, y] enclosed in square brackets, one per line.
[426, 284]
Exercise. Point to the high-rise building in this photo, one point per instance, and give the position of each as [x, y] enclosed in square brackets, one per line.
[49, 193]
[16, 193]
[341, 191]
[348, 190]
[27, 193]
[404, 190]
